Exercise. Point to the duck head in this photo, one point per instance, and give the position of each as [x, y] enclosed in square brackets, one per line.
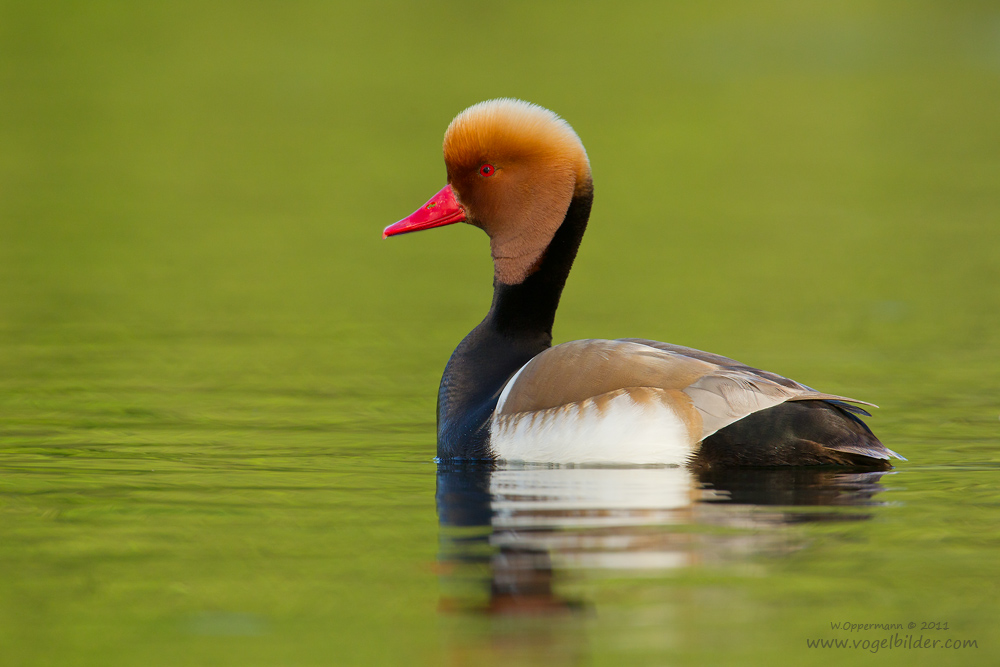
[513, 169]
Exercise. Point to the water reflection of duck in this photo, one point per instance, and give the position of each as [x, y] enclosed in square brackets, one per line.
[521, 174]
[510, 535]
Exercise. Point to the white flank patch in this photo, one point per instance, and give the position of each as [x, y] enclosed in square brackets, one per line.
[621, 432]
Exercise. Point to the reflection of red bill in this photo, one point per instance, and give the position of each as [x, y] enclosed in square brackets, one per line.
[442, 209]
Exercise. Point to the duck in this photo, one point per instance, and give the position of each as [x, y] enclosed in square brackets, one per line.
[521, 174]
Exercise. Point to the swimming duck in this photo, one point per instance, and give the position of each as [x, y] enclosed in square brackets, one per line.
[521, 174]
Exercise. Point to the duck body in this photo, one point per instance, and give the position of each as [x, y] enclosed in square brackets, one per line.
[520, 173]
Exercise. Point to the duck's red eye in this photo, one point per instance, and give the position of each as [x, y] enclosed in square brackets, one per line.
[487, 170]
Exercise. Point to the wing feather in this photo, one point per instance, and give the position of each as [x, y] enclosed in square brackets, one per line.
[722, 390]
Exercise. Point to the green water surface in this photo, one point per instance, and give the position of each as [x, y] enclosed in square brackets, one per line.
[217, 382]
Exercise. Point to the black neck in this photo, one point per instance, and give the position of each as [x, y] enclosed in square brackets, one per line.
[518, 327]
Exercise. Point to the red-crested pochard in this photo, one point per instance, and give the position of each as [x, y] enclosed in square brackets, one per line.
[521, 174]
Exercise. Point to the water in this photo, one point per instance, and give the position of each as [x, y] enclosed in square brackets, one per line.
[217, 382]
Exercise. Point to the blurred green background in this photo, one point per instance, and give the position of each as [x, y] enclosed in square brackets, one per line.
[217, 382]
